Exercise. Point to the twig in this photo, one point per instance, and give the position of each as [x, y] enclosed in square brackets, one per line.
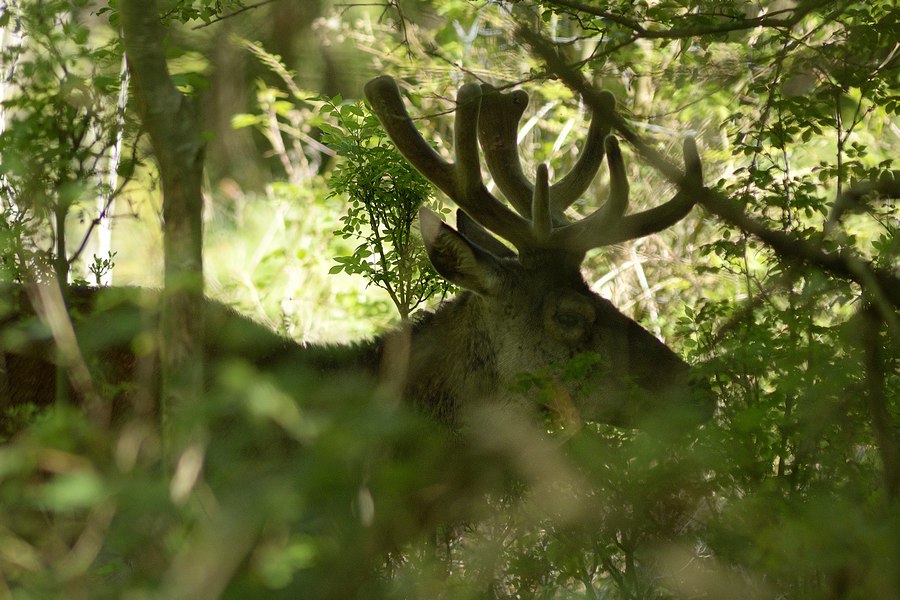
[233, 14]
[685, 32]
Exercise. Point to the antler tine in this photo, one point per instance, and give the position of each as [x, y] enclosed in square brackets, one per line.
[576, 182]
[470, 193]
[498, 131]
[465, 140]
[617, 203]
[581, 236]
[460, 181]
[541, 222]
[666, 215]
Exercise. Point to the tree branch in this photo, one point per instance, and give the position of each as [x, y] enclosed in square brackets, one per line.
[876, 281]
[686, 32]
[883, 286]
[877, 401]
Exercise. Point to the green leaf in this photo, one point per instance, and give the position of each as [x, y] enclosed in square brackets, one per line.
[241, 120]
[82, 489]
[125, 168]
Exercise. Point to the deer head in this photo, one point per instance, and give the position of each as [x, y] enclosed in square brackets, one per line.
[533, 310]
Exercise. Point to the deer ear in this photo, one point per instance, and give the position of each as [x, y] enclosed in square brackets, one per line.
[455, 258]
[475, 233]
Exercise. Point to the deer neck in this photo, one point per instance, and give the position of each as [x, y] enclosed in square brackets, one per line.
[437, 363]
[445, 359]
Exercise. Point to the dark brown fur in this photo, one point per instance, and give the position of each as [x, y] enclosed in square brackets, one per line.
[473, 349]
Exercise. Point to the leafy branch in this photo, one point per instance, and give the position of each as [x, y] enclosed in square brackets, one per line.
[385, 193]
[882, 284]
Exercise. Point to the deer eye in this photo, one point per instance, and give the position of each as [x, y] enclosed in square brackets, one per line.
[569, 320]
[568, 316]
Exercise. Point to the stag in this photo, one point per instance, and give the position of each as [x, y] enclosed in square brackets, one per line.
[531, 309]
[523, 311]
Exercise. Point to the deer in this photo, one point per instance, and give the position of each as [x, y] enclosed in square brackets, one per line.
[522, 309]
[531, 308]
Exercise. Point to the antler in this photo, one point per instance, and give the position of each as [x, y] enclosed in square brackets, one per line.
[497, 132]
[461, 181]
[602, 228]
[498, 127]
[541, 226]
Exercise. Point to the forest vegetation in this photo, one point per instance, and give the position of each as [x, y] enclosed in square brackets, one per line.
[224, 149]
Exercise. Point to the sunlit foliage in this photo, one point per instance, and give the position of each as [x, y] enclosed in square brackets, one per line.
[331, 489]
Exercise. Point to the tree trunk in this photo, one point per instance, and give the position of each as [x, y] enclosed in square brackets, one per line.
[172, 122]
